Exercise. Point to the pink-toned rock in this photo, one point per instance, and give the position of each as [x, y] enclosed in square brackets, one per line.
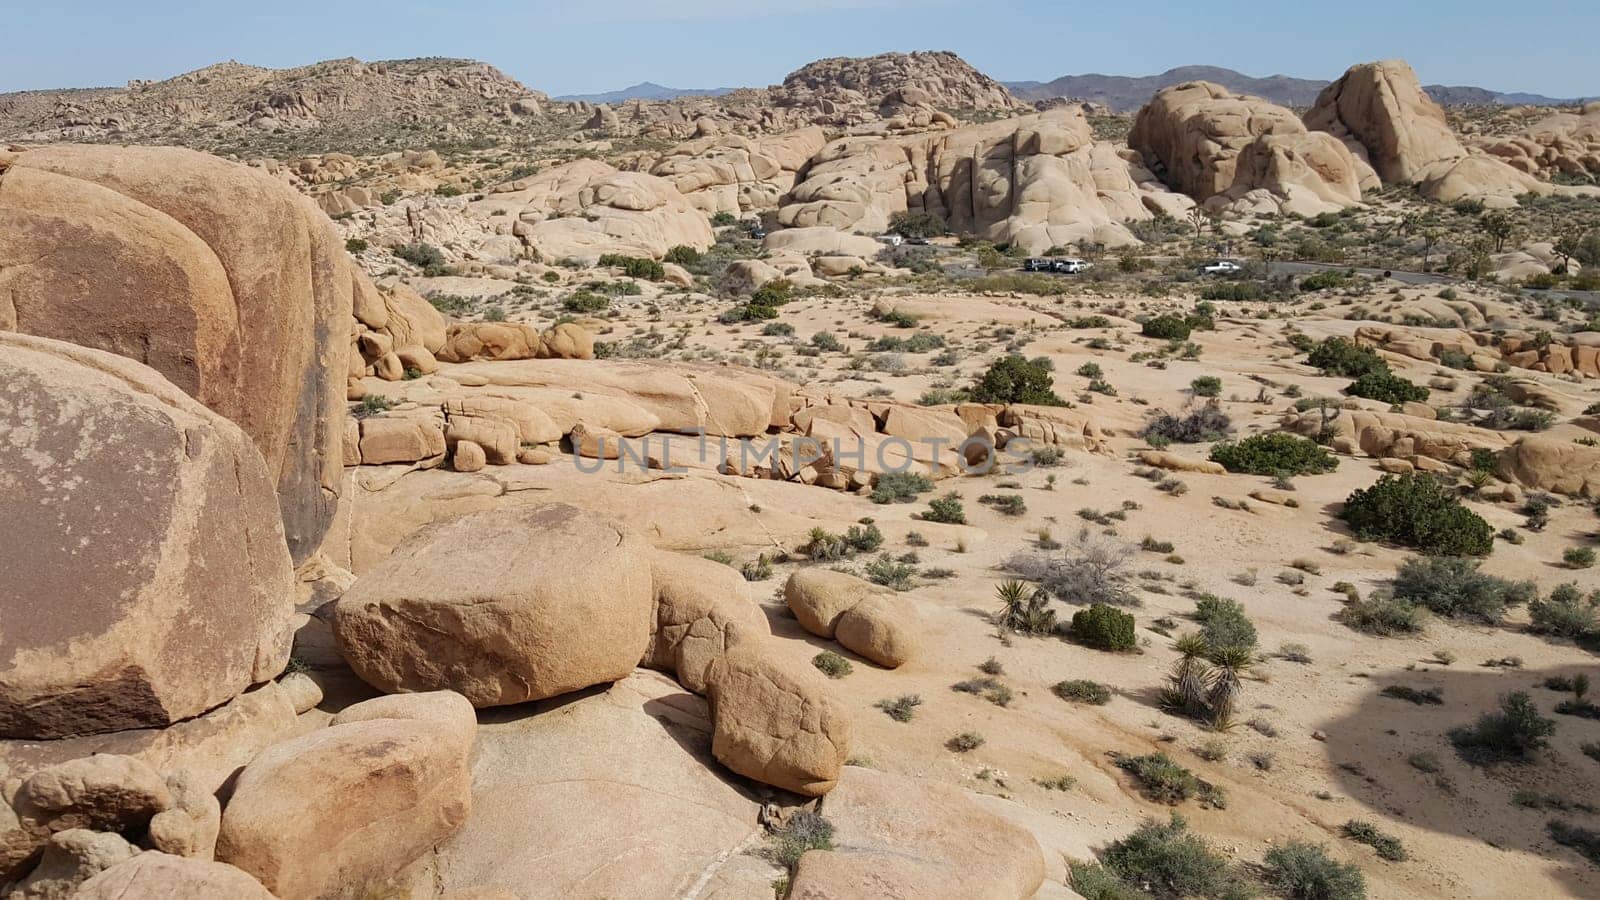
[160, 876]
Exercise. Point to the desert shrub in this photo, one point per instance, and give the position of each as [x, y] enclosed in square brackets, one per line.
[1586, 841]
[634, 266]
[1419, 511]
[900, 487]
[1089, 570]
[372, 404]
[1452, 586]
[1024, 609]
[890, 572]
[1167, 327]
[1382, 615]
[777, 329]
[1005, 504]
[1342, 356]
[724, 219]
[916, 224]
[1164, 861]
[1164, 781]
[1319, 281]
[946, 509]
[586, 301]
[423, 256]
[1242, 291]
[1104, 627]
[804, 831]
[1014, 379]
[1386, 387]
[682, 255]
[1206, 386]
[1419, 696]
[832, 664]
[965, 741]
[1276, 453]
[1303, 871]
[1514, 732]
[355, 245]
[1082, 690]
[902, 708]
[1208, 423]
[1223, 624]
[1387, 845]
[1567, 613]
[1578, 557]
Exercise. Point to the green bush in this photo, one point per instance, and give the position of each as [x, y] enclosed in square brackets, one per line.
[1382, 616]
[1419, 511]
[1578, 557]
[1242, 291]
[1386, 387]
[1566, 613]
[1387, 845]
[1082, 690]
[1164, 861]
[1452, 586]
[1025, 609]
[900, 487]
[1223, 624]
[1324, 280]
[1104, 627]
[724, 219]
[832, 664]
[1341, 356]
[1206, 386]
[682, 255]
[1014, 379]
[804, 831]
[916, 224]
[1303, 871]
[585, 301]
[1208, 423]
[1164, 781]
[1275, 453]
[1167, 327]
[1515, 732]
[634, 267]
[946, 509]
[355, 245]
[427, 257]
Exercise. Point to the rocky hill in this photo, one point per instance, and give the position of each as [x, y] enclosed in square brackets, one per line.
[343, 104]
[932, 78]
[1127, 93]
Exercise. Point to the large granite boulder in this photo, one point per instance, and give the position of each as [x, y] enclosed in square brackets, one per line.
[153, 540]
[219, 276]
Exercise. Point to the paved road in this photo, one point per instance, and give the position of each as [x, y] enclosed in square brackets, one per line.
[1589, 298]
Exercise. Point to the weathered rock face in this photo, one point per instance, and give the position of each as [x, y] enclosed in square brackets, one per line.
[349, 805]
[1244, 152]
[1398, 436]
[467, 341]
[1040, 180]
[586, 208]
[902, 837]
[503, 606]
[1562, 144]
[221, 278]
[1383, 116]
[1550, 464]
[735, 174]
[161, 876]
[154, 540]
[701, 613]
[776, 721]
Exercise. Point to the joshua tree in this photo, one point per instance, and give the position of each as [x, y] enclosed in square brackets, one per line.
[1190, 674]
[1231, 663]
[1498, 226]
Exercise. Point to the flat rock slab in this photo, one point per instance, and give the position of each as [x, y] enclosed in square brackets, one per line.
[613, 793]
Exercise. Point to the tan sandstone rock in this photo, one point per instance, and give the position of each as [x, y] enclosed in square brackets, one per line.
[776, 721]
[160, 876]
[503, 606]
[701, 612]
[170, 592]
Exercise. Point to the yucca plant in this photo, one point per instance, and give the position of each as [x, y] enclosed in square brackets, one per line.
[1226, 687]
[1580, 686]
[1190, 674]
[1025, 608]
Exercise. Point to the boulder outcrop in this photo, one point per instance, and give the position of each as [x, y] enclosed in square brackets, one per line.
[1243, 152]
[223, 279]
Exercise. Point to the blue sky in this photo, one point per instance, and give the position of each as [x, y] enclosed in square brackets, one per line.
[581, 46]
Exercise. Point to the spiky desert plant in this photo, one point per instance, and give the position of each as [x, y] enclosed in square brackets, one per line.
[1190, 674]
[1025, 608]
[1226, 686]
[1580, 686]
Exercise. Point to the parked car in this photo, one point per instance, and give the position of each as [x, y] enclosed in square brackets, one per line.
[1037, 264]
[757, 232]
[892, 239]
[917, 239]
[1070, 266]
[1222, 267]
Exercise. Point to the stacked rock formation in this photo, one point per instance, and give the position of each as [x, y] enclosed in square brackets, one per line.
[1242, 153]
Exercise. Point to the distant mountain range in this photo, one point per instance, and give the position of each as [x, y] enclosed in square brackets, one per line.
[1125, 93]
[647, 90]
